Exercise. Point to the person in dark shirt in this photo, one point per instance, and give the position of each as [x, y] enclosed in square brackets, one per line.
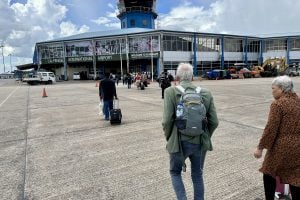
[107, 92]
[165, 82]
[129, 80]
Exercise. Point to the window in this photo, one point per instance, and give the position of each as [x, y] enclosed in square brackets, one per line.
[253, 46]
[51, 51]
[144, 22]
[275, 45]
[132, 23]
[208, 44]
[295, 44]
[143, 44]
[233, 45]
[110, 46]
[177, 42]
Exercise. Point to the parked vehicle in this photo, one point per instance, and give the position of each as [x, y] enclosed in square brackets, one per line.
[293, 71]
[273, 67]
[217, 74]
[240, 70]
[76, 76]
[255, 71]
[39, 78]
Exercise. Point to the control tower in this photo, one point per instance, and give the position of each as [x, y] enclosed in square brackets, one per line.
[137, 13]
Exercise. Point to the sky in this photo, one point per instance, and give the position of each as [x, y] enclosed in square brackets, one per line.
[23, 23]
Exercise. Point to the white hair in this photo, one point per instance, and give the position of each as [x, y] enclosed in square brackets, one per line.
[185, 72]
[285, 83]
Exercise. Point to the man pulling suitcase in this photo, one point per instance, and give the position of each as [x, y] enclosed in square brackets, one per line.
[107, 93]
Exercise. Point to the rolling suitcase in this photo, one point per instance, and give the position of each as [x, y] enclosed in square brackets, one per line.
[282, 190]
[115, 114]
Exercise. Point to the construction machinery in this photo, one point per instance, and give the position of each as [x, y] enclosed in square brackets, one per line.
[273, 67]
[256, 71]
[239, 70]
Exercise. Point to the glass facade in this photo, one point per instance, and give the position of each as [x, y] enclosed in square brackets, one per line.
[233, 45]
[208, 44]
[275, 45]
[110, 46]
[295, 44]
[75, 49]
[177, 42]
[143, 44]
[253, 46]
[141, 48]
[50, 51]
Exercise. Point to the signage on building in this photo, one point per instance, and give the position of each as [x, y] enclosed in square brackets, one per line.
[144, 55]
[80, 59]
[110, 57]
[52, 60]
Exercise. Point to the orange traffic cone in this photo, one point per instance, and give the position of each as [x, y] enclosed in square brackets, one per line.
[44, 93]
[96, 84]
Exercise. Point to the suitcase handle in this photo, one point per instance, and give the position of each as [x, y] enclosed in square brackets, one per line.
[114, 104]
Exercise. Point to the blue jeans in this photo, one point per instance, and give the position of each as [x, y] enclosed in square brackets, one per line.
[197, 157]
[107, 106]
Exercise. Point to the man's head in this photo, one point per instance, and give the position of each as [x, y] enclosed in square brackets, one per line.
[107, 75]
[184, 72]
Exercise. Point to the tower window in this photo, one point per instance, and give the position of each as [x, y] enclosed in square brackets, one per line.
[144, 22]
[132, 23]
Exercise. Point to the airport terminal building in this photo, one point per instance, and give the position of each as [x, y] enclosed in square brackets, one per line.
[139, 47]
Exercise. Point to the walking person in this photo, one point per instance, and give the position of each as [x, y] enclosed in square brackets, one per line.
[124, 79]
[101, 100]
[118, 79]
[181, 146]
[107, 92]
[129, 80]
[164, 82]
[281, 139]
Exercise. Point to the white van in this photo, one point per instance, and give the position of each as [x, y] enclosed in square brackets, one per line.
[40, 77]
[76, 76]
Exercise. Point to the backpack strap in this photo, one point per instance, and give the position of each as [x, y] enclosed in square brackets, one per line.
[180, 88]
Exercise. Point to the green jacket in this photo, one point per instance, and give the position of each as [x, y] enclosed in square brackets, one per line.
[171, 98]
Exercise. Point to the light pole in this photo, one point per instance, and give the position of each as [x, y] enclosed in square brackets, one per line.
[10, 62]
[3, 56]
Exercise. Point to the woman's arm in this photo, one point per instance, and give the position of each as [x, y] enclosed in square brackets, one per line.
[272, 127]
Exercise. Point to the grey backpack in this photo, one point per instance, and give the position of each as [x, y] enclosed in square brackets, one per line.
[191, 117]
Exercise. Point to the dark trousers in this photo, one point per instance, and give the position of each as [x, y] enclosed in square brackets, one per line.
[270, 186]
[162, 92]
[129, 84]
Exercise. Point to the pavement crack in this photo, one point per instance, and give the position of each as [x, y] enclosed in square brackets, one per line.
[241, 106]
[240, 124]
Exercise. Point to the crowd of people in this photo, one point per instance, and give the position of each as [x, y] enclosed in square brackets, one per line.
[281, 136]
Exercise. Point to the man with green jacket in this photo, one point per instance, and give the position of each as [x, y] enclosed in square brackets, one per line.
[182, 146]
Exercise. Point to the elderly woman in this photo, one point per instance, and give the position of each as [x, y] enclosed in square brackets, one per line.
[281, 138]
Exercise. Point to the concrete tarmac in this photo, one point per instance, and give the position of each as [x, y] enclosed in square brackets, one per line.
[59, 147]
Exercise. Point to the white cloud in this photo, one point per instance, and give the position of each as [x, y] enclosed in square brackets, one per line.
[236, 17]
[22, 25]
[110, 19]
[68, 28]
[101, 20]
[111, 6]
[35, 21]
